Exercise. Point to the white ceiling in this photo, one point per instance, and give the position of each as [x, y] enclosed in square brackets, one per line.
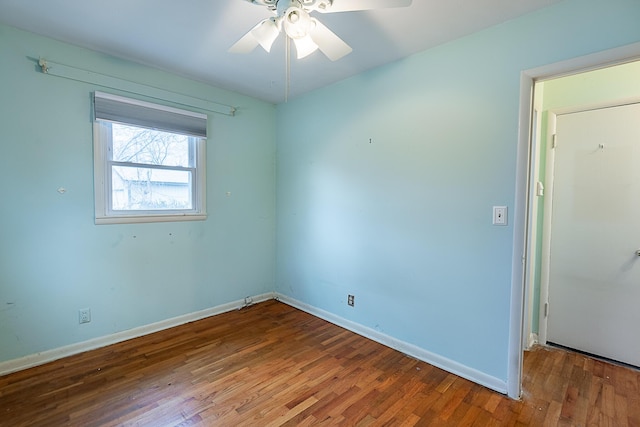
[191, 37]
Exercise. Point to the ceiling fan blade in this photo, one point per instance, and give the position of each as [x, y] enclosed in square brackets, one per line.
[352, 5]
[263, 34]
[328, 42]
[245, 45]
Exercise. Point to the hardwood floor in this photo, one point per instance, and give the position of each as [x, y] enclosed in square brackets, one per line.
[273, 365]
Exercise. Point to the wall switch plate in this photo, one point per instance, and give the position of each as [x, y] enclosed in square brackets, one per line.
[84, 315]
[499, 215]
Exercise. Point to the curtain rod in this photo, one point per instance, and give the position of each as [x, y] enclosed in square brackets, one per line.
[105, 81]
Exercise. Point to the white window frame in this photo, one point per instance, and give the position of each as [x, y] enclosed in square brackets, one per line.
[102, 142]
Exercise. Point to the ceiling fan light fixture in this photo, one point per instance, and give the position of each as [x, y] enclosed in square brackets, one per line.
[266, 33]
[305, 46]
[297, 23]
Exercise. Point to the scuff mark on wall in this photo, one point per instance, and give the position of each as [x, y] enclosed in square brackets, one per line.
[8, 306]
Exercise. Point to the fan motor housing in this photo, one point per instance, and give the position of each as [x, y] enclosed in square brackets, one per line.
[306, 4]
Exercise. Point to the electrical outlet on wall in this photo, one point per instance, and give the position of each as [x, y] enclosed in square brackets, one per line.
[84, 315]
[350, 300]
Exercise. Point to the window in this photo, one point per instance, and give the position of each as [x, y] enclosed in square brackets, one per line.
[149, 161]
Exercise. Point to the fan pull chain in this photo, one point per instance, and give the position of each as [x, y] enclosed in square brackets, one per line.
[287, 59]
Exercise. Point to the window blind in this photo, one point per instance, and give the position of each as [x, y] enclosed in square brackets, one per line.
[119, 109]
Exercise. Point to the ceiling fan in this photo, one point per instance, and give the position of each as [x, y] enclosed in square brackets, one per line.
[307, 33]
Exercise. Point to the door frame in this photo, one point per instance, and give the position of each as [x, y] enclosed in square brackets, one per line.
[523, 214]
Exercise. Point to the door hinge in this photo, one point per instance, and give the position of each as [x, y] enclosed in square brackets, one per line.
[554, 141]
[546, 309]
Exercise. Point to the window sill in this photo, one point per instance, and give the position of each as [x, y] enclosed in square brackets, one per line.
[139, 219]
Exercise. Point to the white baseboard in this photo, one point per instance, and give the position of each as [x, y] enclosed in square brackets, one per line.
[404, 347]
[58, 353]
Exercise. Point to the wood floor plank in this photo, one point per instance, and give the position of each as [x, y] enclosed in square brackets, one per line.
[273, 365]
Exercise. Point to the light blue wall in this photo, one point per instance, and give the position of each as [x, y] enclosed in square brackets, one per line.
[54, 260]
[404, 222]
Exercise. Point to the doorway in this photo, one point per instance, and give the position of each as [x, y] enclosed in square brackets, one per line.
[525, 290]
[585, 96]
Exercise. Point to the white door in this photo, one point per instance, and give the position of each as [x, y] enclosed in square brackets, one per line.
[594, 270]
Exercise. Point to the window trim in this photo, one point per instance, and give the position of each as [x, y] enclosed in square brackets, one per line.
[102, 163]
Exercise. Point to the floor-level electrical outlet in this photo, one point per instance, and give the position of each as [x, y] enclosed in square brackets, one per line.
[350, 300]
[84, 315]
